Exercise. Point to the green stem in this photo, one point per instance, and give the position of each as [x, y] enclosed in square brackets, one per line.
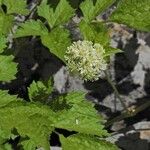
[115, 90]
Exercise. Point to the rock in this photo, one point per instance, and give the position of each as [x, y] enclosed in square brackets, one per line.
[64, 82]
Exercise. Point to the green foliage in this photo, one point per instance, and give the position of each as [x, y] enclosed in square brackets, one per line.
[3, 42]
[31, 28]
[110, 51]
[134, 13]
[6, 23]
[4, 137]
[6, 99]
[39, 91]
[57, 41]
[95, 32]
[55, 17]
[16, 6]
[35, 122]
[8, 69]
[7, 19]
[91, 10]
[80, 116]
[31, 120]
[82, 142]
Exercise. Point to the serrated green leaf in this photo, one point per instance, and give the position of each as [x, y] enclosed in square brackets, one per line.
[31, 120]
[81, 117]
[39, 92]
[8, 68]
[82, 142]
[3, 42]
[16, 6]
[57, 41]
[134, 13]
[90, 9]
[6, 22]
[31, 28]
[60, 15]
[95, 32]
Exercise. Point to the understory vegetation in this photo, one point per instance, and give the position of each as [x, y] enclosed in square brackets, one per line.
[28, 123]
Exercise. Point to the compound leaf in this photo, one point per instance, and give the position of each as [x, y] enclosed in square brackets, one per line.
[134, 13]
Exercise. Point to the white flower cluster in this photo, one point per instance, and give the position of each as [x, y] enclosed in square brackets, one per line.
[86, 59]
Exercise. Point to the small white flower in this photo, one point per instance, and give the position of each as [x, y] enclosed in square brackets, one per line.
[86, 59]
